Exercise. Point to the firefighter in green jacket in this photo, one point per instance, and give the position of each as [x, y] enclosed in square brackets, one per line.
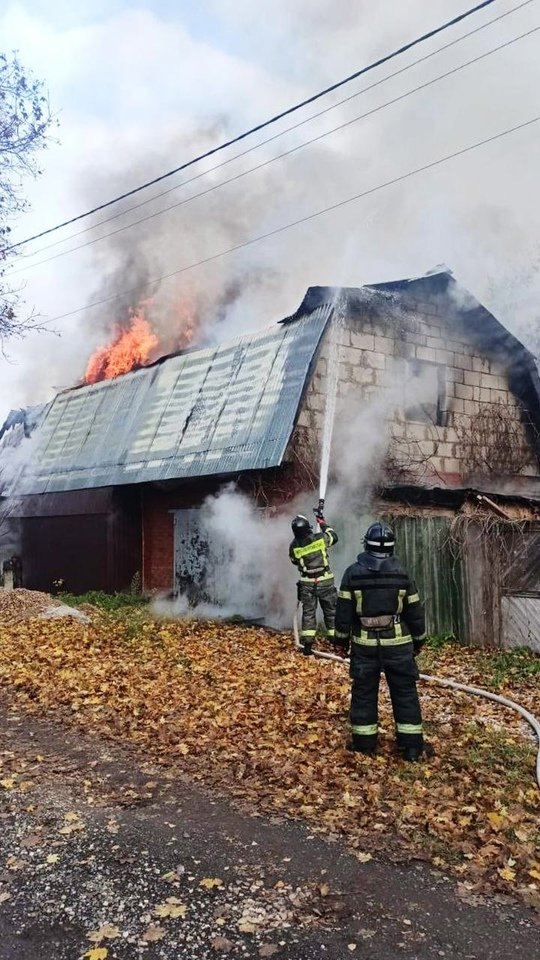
[309, 552]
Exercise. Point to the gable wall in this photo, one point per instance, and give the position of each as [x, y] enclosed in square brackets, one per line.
[481, 415]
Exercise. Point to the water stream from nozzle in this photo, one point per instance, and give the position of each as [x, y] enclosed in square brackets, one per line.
[332, 381]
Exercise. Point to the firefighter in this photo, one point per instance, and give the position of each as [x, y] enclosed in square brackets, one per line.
[380, 616]
[309, 552]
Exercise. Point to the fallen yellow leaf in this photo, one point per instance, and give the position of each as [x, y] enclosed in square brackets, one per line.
[107, 932]
[210, 882]
[171, 908]
[363, 857]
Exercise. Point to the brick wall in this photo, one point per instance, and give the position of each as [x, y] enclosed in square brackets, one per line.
[158, 542]
[478, 411]
[270, 489]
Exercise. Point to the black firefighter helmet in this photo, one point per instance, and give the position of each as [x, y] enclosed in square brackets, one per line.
[301, 527]
[379, 540]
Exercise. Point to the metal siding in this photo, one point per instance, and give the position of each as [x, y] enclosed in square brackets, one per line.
[214, 411]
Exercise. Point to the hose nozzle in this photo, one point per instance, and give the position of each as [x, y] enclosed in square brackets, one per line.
[319, 509]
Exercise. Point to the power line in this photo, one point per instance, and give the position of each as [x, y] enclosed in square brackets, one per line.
[281, 133]
[257, 146]
[301, 220]
[262, 125]
[280, 156]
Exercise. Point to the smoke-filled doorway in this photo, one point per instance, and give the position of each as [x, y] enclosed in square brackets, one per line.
[199, 561]
[221, 559]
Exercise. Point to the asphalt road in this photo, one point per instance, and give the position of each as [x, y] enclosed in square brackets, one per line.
[101, 852]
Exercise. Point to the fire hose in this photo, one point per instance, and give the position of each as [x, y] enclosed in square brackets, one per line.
[443, 682]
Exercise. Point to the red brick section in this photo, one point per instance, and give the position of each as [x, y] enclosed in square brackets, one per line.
[157, 545]
[272, 489]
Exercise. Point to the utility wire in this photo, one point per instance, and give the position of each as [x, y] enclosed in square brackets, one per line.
[265, 123]
[301, 220]
[262, 143]
[281, 133]
[279, 156]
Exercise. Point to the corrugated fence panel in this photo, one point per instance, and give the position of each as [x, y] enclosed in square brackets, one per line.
[422, 546]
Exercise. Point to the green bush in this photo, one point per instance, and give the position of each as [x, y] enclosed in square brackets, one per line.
[106, 601]
[436, 641]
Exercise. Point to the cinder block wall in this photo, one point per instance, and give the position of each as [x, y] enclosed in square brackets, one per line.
[476, 386]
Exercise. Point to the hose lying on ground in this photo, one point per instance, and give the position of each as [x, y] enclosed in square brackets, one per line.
[474, 691]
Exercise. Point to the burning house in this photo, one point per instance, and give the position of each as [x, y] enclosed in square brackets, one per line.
[436, 427]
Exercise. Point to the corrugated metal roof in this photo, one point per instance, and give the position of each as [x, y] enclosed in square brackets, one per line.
[212, 411]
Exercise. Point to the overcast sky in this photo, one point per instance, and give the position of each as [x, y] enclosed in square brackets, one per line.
[140, 88]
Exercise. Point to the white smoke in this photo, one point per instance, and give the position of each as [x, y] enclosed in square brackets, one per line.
[248, 547]
[17, 455]
[134, 90]
[248, 555]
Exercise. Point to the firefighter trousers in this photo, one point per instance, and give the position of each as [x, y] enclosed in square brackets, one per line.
[309, 595]
[401, 674]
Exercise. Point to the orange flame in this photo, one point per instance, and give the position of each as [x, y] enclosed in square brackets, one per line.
[130, 348]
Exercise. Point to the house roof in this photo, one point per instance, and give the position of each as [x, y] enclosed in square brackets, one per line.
[215, 411]
[233, 407]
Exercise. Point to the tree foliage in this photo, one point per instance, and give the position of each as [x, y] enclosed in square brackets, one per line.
[25, 123]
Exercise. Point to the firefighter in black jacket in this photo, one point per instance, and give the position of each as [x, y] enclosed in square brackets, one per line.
[309, 552]
[380, 615]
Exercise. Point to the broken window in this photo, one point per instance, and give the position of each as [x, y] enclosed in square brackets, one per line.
[424, 392]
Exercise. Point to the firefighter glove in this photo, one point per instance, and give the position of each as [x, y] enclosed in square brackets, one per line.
[341, 647]
[418, 644]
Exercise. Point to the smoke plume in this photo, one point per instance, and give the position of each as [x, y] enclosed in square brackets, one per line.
[248, 549]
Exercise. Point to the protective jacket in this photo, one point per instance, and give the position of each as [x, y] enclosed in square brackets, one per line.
[311, 554]
[380, 615]
[377, 588]
[316, 582]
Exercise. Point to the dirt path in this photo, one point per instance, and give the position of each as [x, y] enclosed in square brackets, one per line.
[94, 842]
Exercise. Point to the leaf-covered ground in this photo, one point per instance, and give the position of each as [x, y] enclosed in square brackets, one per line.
[237, 709]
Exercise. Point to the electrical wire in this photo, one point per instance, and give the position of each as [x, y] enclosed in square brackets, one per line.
[261, 126]
[280, 156]
[281, 133]
[294, 223]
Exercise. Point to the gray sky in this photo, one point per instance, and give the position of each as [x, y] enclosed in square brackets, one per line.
[140, 88]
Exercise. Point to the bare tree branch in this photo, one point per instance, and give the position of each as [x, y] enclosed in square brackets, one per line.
[25, 124]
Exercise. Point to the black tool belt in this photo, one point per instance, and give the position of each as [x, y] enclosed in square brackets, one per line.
[316, 574]
[379, 623]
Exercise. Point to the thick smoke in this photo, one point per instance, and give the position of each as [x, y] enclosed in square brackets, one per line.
[160, 95]
[248, 548]
[17, 454]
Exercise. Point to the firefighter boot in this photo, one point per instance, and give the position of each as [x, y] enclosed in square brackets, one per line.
[414, 754]
[356, 745]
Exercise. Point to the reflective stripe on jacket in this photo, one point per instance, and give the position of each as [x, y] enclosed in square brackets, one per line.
[311, 555]
[373, 588]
